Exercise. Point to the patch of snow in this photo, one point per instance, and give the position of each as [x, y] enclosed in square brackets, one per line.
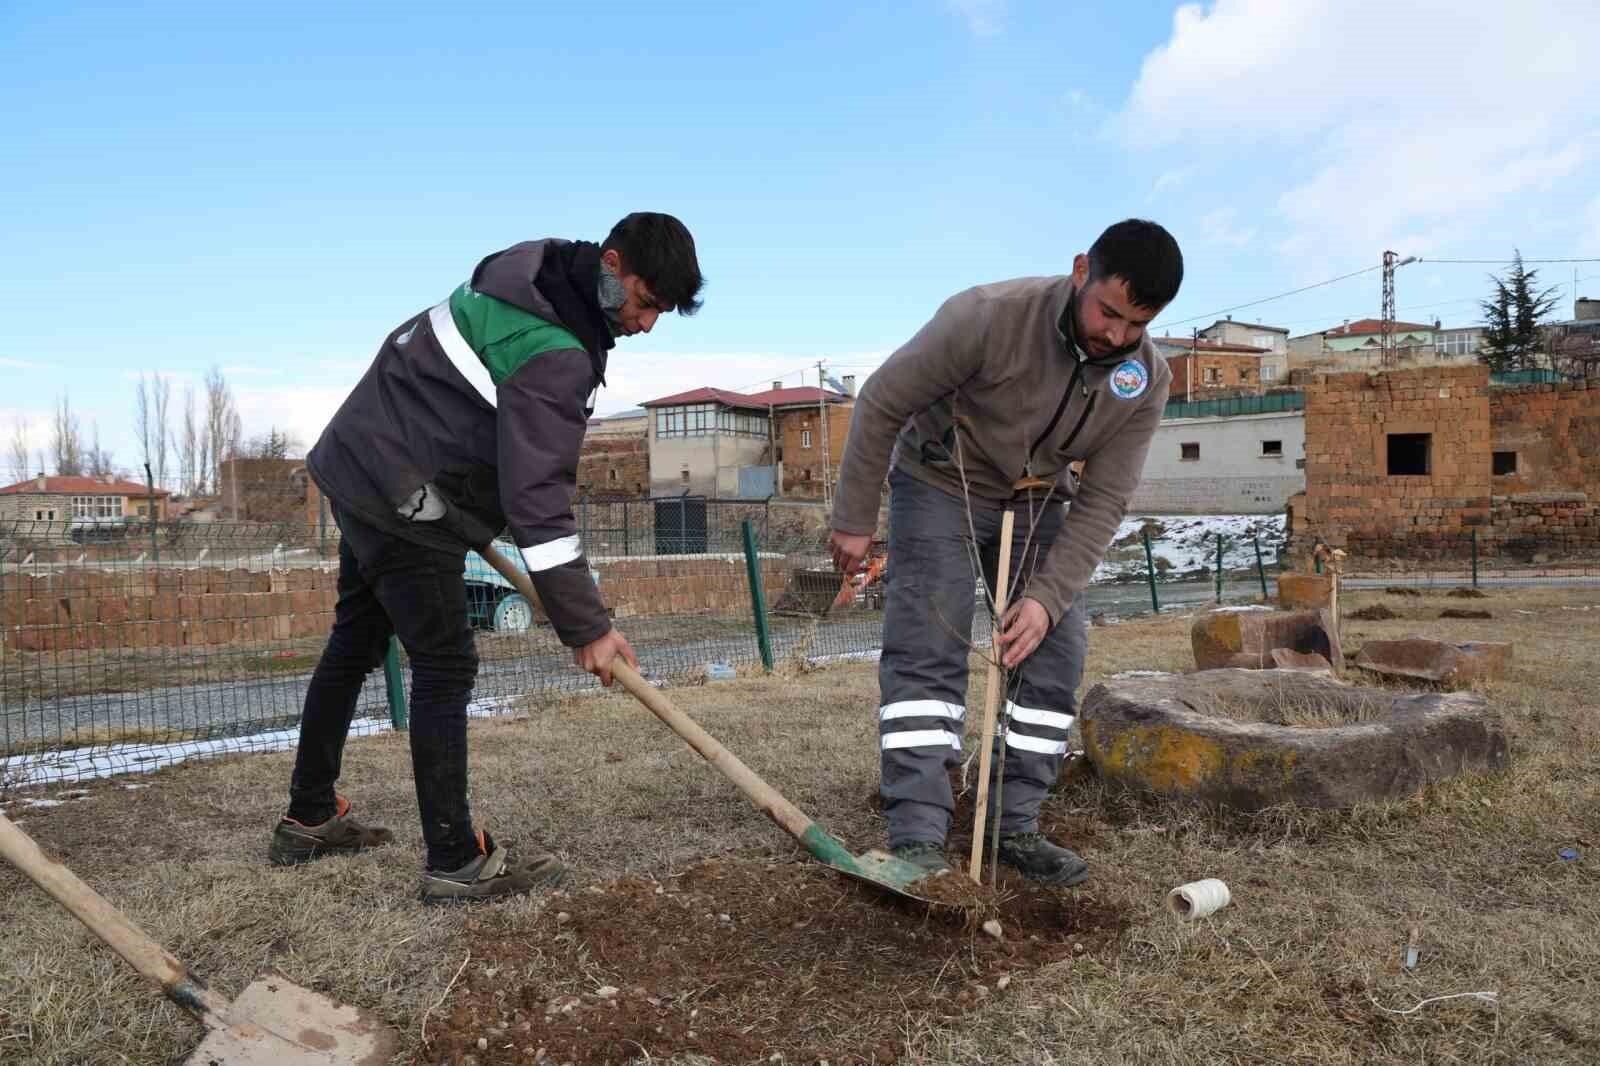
[1236, 608]
[1188, 544]
[43, 803]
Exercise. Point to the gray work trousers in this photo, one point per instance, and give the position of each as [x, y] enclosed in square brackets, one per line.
[922, 677]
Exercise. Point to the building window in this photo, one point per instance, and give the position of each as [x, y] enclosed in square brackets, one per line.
[1244, 373]
[706, 419]
[805, 475]
[1262, 340]
[1269, 373]
[1455, 342]
[1410, 454]
[805, 438]
[685, 475]
[1189, 452]
[1505, 463]
[1213, 374]
[611, 474]
[97, 507]
[1272, 448]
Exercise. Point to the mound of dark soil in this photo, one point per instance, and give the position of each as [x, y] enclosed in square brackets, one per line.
[1376, 613]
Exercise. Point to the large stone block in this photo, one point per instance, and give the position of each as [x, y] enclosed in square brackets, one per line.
[1297, 591]
[1436, 661]
[1166, 734]
[1245, 637]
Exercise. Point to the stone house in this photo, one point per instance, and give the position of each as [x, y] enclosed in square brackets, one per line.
[80, 501]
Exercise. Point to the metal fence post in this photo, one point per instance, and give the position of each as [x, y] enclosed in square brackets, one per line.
[627, 531]
[1474, 557]
[1219, 567]
[758, 597]
[1150, 572]
[1261, 568]
[395, 684]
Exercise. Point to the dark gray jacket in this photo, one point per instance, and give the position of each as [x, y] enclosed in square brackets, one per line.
[427, 447]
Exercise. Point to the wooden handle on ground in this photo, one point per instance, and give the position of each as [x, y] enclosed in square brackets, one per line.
[110, 925]
[990, 694]
[767, 799]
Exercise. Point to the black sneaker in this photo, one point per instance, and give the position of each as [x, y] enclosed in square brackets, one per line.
[1035, 858]
[294, 842]
[492, 874]
[923, 854]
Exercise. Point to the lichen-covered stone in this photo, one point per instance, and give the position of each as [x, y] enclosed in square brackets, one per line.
[1298, 591]
[1155, 734]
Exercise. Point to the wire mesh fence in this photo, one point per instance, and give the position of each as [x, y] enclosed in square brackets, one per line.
[136, 647]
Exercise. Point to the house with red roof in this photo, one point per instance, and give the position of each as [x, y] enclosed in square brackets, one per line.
[725, 444]
[80, 501]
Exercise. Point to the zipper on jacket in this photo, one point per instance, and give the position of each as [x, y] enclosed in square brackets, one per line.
[1066, 396]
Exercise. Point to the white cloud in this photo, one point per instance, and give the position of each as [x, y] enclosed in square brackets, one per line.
[18, 364]
[1175, 178]
[1219, 227]
[983, 17]
[1387, 120]
[303, 411]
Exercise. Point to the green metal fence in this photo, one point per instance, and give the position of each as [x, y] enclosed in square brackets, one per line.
[119, 655]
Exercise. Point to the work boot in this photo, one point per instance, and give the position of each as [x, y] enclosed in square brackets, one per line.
[492, 874]
[1035, 858]
[295, 842]
[924, 854]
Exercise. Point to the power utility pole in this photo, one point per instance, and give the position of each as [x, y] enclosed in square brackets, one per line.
[822, 411]
[1391, 260]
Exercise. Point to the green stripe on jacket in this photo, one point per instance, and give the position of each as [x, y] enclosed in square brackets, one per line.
[503, 336]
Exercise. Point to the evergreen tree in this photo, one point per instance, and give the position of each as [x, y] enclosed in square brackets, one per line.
[1512, 316]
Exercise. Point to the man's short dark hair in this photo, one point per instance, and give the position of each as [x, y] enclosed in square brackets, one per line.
[1142, 254]
[660, 250]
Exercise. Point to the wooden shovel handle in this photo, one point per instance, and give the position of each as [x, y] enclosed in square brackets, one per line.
[767, 799]
[110, 925]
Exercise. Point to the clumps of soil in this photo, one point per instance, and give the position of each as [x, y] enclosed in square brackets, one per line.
[1376, 613]
[1401, 590]
[1456, 612]
[742, 959]
[1465, 593]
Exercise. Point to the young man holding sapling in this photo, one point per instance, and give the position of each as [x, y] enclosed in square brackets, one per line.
[983, 410]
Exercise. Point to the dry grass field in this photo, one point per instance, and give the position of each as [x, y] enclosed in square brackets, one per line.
[697, 934]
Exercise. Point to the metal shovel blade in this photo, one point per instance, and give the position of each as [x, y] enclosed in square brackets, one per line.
[277, 1023]
[876, 867]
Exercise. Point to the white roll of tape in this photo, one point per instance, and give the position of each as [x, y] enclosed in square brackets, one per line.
[1198, 899]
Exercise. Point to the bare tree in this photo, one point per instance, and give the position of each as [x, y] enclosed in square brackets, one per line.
[161, 398]
[66, 441]
[17, 452]
[192, 449]
[223, 427]
[143, 418]
[274, 444]
[97, 460]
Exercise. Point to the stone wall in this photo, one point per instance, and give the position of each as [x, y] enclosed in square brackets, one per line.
[615, 466]
[802, 466]
[86, 609]
[1357, 500]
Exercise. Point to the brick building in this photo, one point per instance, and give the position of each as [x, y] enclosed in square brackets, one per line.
[804, 452]
[615, 466]
[1414, 462]
[1203, 369]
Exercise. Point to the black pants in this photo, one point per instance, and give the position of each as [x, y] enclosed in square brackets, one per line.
[389, 586]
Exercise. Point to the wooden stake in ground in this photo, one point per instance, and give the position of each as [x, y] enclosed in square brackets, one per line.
[991, 695]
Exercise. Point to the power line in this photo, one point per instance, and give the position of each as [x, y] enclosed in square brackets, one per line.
[1502, 262]
[1269, 299]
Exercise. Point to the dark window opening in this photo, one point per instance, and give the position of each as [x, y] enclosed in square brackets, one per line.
[1272, 447]
[1505, 463]
[685, 476]
[1410, 454]
[611, 475]
[1190, 451]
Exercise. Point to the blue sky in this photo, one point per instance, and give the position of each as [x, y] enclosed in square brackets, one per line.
[270, 188]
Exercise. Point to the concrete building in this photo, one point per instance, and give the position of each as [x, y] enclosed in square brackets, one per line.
[1358, 345]
[1237, 464]
[80, 501]
[1271, 341]
[701, 439]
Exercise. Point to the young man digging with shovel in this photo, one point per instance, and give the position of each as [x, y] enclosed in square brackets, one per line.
[469, 421]
[984, 410]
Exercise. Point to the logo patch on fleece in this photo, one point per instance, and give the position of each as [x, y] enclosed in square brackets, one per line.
[1129, 380]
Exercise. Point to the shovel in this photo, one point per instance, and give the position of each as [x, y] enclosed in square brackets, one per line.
[272, 1023]
[877, 868]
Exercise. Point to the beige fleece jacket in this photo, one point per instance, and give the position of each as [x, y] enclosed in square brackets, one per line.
[993, 367]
